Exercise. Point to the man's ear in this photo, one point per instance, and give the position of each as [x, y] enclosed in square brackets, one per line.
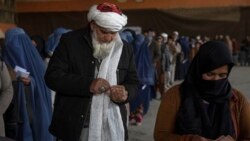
[92, 24]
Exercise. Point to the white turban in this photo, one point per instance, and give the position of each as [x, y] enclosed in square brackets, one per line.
[110, 20]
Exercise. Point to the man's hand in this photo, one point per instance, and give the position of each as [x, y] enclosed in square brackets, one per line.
[118, 93]
[99, 86]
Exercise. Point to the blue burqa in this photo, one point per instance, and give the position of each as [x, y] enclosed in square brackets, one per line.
[145, 71]
[19, 51]
[54, 38]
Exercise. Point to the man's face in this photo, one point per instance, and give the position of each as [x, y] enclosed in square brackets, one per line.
[103, 35]
[102, 41]
[175, 37]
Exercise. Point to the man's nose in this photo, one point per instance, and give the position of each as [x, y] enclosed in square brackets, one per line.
[108, 37]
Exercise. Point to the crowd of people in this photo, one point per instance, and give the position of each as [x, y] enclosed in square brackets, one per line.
[205, 106]
[90, 84]
[171, 55]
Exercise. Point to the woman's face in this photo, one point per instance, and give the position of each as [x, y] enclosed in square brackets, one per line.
[216, 74]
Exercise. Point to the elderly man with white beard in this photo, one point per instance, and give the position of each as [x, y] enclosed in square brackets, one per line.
[93, 73]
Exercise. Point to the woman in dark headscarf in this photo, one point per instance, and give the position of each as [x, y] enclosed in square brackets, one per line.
[205, 107]
[34, 103]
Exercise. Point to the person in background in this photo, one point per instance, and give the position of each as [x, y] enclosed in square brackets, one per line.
[179, 55]
[244, 56]
[39, 43]
[205, 106]
[93, 74]
[53, 41]
[6, 100]
[50, 46]
[128, 35]
[184, 56]
[145, 71]
[235, 51]
[6, 94]
[159, 68]
[174, 49]
[33, 98]
[6, 89]
[166, 54]
[54, 38]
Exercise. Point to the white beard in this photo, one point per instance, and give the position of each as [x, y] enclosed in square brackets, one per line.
[101, 50]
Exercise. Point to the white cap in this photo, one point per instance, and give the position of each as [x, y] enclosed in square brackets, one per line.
[164, 35]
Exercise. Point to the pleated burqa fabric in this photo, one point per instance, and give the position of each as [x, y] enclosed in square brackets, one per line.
[35, 108]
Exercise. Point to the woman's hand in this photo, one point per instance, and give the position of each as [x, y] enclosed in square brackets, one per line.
[225, 138]
[199, 138]
[25, 80]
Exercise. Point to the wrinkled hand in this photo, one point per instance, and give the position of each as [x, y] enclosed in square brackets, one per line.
[118, 93]
[99, 86]
[25, 80]
[225, 138]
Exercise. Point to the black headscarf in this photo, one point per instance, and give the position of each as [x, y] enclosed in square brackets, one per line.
[195, 116]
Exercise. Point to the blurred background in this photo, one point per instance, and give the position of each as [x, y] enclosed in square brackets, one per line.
[189, 17]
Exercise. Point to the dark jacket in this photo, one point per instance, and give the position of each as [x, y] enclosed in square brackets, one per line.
[70, 73]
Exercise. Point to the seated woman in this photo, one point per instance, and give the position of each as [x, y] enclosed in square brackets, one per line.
[205, 107]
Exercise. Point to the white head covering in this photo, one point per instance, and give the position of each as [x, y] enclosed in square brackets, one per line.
[176, 33]
[164, 35]
[108, 16]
